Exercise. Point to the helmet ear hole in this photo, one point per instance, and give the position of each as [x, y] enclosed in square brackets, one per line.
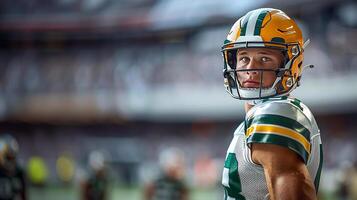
[286, 83]
[289, 82]
[295, 50]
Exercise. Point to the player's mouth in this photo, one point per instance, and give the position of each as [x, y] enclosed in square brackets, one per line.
[251, 84]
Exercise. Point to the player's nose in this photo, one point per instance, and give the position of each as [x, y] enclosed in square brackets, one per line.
[252, 65]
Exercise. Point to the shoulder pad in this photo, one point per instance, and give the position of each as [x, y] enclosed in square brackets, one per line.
[280, 122]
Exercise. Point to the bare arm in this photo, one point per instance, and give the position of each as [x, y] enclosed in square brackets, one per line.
[149, 191]
[285, 172]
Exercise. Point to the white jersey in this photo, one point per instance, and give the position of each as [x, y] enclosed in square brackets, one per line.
[285, 122]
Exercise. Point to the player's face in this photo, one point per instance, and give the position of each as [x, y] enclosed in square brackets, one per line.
[258, 58]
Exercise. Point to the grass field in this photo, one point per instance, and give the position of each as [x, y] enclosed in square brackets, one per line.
[116, 193]
[126, 193]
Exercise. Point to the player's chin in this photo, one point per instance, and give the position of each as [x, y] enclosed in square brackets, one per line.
[251, 85]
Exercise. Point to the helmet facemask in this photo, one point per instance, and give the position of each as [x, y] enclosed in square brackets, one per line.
[284, 81]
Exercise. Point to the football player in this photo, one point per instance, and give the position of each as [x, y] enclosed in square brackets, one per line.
[276, 152]
[12, 178]
[95, 186]
[170, 184]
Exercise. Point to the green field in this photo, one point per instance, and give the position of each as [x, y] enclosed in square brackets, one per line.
[125, 193]
[116, 193]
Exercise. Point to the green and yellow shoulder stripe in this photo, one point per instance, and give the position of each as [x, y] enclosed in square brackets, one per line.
[282, 123]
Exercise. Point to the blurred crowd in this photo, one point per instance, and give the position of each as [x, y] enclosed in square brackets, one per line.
[80, 71]
[123, 68]
[182, 59]
[74, 7]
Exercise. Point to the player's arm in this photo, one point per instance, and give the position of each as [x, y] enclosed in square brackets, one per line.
[285, 172]
[149, 191]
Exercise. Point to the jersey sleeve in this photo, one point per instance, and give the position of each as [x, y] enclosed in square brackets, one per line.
[280, 123]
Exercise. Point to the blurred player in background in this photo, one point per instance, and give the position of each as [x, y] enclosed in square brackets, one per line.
[12, 178]
[347, 187]
[95, 187]
[276, 152]
[169, 185]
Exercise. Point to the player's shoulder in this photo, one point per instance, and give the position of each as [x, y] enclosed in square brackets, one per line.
[282, 108]
[282, 121]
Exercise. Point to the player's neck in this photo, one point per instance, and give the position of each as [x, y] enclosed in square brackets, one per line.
[247, 106]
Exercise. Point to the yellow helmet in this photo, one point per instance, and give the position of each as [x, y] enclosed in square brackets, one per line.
[264, 28]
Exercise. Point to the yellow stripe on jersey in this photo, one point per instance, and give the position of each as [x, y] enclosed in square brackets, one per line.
[279, 130]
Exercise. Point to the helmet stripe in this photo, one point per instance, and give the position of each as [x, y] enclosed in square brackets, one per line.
[252, 21]
[256, 21]
[244, 24]
[226, 41]
[259, 22]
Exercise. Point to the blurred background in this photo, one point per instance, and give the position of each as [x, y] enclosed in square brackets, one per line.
[92, 83]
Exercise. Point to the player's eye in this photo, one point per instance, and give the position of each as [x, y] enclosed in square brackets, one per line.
[265, 59]
[243, 59]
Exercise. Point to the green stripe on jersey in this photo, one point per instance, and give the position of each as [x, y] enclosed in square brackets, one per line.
[258, 24]
[279, 140]
[235, 187]
[280, 121]
[297, 103]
